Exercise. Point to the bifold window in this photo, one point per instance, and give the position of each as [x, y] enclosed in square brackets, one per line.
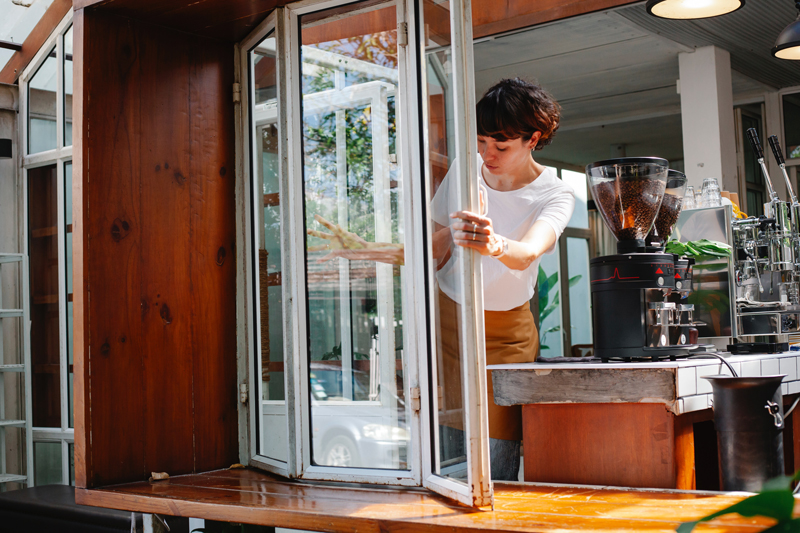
[365, 357]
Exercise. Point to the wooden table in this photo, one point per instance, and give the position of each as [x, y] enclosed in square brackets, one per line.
[257, 498]
[628, 425]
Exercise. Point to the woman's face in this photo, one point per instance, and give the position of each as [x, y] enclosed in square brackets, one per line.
[505, 157]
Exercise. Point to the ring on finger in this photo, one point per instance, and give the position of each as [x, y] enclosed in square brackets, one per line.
[474, 228]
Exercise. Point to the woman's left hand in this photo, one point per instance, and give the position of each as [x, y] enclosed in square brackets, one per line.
[475, 231]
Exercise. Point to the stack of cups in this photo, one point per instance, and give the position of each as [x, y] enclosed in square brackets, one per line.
[710, 194]
[688, 198]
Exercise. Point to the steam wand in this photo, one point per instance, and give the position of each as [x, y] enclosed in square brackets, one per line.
[752, 134]
[778, 153]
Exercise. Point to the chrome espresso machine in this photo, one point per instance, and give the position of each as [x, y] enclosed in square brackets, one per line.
[767, 265]
[639, 296]
[749, 302]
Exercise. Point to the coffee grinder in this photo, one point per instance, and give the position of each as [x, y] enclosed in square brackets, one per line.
[634, 312]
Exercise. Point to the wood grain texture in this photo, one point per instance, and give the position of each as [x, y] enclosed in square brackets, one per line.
[34, 41]
[155, 289]
[624, 445]
[80, 295]
[256, 498]
[512, 387]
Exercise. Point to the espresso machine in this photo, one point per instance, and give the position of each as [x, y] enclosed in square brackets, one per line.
[639, 309]
[767, 266]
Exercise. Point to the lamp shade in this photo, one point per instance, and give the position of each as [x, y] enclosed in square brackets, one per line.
[787, 45]
[692, 9]
[5, 148]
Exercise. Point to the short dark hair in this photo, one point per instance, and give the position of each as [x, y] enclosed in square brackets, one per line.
[515, 108]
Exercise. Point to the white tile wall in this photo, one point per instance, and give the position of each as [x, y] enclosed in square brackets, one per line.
[703, 385]
[686, 382]
[794, 387]
[788, 366]
[695, 403]
[770, 367]
[751, 369]
[785, 388]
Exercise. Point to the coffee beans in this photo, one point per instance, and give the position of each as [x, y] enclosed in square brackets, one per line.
[629, 205]
[668, 215]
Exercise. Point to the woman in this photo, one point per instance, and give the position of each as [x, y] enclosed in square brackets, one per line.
[528, 209]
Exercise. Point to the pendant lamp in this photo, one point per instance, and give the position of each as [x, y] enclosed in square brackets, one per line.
[692, 9]
[787, 45]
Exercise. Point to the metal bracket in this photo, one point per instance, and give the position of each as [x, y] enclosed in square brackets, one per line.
[402, 34]
[237, 93]
[775, 410]
[243, 396]
[415, 399]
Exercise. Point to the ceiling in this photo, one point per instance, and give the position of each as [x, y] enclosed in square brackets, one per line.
[615, 73]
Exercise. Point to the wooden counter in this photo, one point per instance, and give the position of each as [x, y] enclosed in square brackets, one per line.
[257, 498]
[629, 424]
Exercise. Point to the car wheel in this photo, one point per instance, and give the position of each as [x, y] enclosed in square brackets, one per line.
[340, 451]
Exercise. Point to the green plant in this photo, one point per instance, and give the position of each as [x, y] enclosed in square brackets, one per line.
[545, 284]
[775, 500]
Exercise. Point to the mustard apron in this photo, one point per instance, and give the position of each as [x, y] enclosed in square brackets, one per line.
[511, 337]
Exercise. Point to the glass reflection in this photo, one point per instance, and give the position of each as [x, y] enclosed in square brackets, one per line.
[353, 205]
[450, 450]
[42, 91]
[68, 87]
[266, 187]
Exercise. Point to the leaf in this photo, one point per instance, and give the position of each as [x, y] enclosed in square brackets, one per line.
[553, 279]
[574, 280]
[777, 504]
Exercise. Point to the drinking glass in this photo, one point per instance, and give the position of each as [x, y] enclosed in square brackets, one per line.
[688, 198]
[711, 195]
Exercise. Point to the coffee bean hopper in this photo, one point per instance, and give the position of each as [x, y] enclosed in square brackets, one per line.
[637, 312]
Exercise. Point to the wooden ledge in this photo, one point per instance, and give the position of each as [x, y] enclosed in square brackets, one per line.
[256, 498]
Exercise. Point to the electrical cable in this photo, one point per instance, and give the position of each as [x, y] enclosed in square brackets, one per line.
[718, 356]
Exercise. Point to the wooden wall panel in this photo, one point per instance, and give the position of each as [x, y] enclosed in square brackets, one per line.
[213, 264]
[158, 333]
[232, 20]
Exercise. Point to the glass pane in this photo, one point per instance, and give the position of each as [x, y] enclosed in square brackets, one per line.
[68, 87]
[577, 180]
[43, 249]
[791, 125]
[354, 189]
[42, 91]
[449, 422]
[267, 216]
[549, 293]
[47, 463]
[68, 238]
[580, 298]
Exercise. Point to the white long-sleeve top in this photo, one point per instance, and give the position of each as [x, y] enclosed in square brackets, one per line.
[513, 213]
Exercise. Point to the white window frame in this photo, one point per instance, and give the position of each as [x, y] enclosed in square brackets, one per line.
[60, 156]
[419, 330]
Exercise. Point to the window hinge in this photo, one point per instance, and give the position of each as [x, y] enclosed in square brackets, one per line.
[402, 34]
[243, 392]
[415, 399]
[237, 92]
